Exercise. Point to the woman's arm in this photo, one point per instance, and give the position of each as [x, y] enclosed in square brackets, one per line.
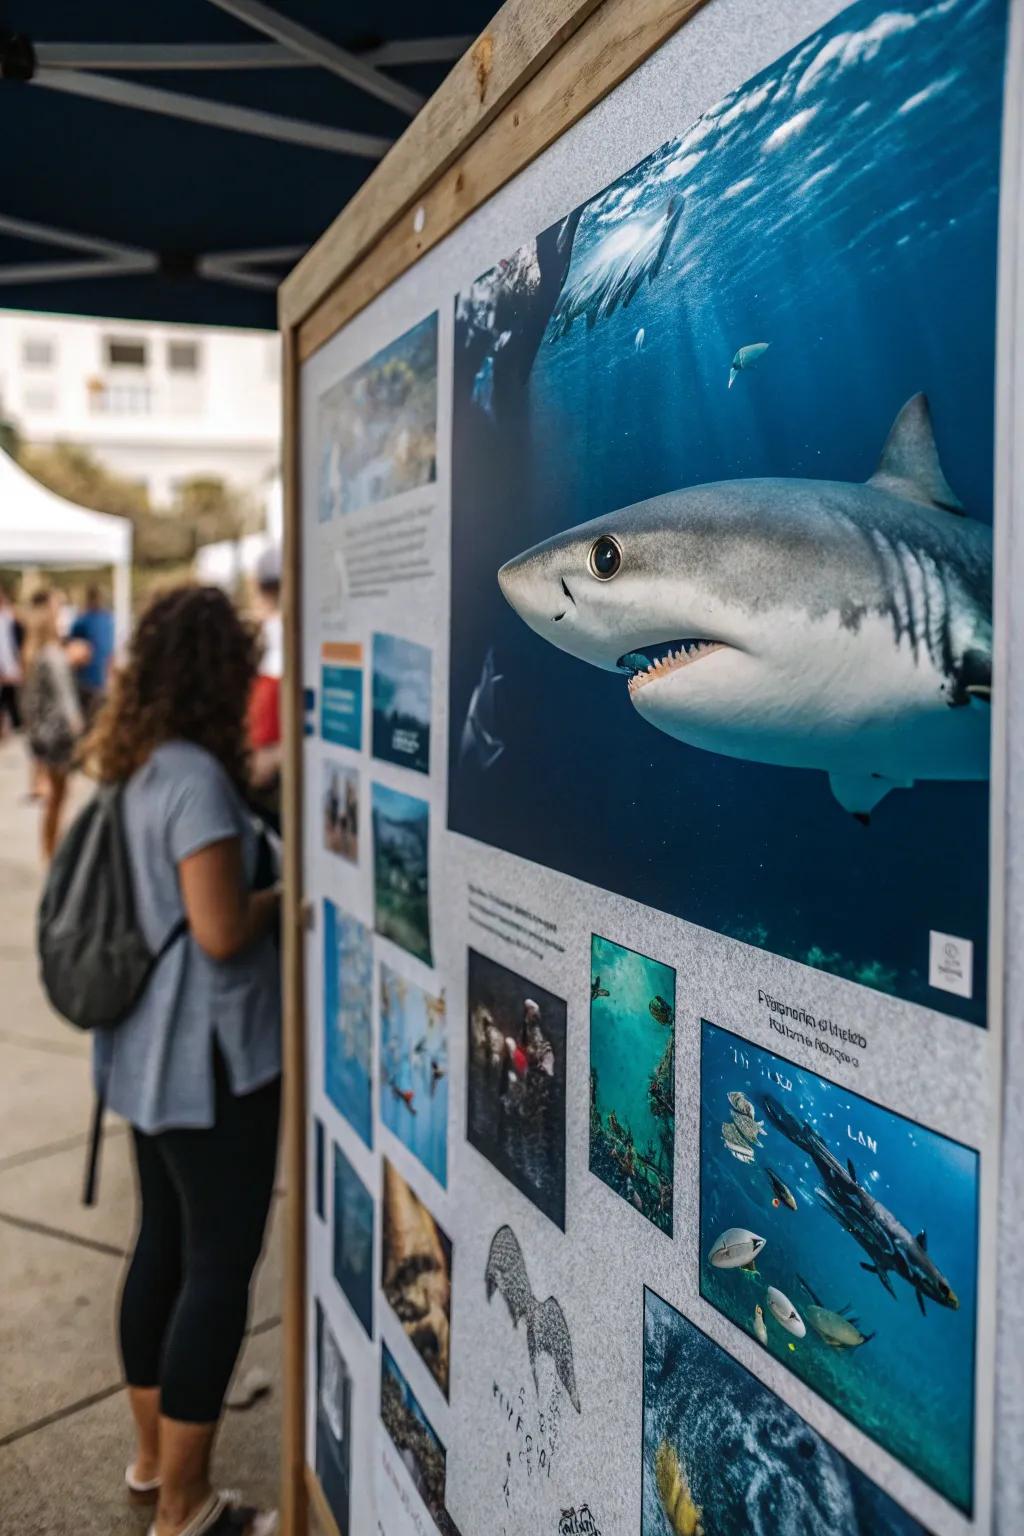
[224, 917]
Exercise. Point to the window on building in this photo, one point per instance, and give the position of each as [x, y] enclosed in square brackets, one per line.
[39, 399]
[183, 357]
[124, 354]
[38, 352]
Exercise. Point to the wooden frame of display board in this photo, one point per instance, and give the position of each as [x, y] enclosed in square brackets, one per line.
[537, 69]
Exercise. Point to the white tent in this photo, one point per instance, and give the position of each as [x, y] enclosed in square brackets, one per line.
[37, 527]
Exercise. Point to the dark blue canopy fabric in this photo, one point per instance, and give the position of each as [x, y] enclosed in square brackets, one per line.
[181, 191]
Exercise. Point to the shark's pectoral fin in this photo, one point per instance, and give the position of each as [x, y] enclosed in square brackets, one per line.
[859, 793]
[920, 1302]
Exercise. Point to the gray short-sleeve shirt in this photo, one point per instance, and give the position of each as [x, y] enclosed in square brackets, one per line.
[157, 1064]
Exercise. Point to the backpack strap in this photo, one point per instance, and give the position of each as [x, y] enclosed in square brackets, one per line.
[92, 1160]
[180, 927]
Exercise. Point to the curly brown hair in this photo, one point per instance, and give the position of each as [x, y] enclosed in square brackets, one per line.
[190, 666]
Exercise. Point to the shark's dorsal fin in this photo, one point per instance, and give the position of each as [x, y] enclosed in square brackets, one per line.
[922, 1238]
[909, 466]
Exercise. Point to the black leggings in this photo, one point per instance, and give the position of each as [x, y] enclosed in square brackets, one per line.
[205, 1195]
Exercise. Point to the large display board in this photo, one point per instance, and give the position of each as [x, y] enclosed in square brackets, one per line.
[653, 642]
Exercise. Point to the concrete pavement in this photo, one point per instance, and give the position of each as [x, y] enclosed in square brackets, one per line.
[64, 1423]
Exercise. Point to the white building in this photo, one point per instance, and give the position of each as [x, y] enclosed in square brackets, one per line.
[158, 404]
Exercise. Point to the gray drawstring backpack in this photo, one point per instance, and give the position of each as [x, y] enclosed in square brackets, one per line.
[94, 960]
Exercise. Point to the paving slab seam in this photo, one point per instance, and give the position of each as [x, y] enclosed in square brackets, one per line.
[50, 1149]
[35, 1043]
[42, 1230]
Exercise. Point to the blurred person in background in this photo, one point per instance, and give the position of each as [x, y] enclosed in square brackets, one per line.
[195, 1066]
[91, 649]
[265, 699]
[51, 712]
[12, 635]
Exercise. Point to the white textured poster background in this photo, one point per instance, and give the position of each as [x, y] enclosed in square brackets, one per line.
[934, 1069]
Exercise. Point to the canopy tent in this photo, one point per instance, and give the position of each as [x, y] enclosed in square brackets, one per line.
[37, 527]
[174, 159]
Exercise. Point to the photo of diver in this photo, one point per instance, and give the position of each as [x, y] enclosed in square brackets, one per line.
[632, 1077]
[516, 1081]
[842, 1237]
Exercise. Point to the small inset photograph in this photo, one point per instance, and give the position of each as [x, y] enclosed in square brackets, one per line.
[632, 1077]
[401, 702]
[416, 1273]
[341, 811]
[348, 1018]
[415, 1440]
[353, 1238]
[723, 1456]
[378, 425]
[401, 890]
[333, 1423]
[341, 694]
[516, 1081]
[844, 1239]
[414, 1069]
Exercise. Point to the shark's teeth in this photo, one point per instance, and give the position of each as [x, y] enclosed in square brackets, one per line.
[663, 665]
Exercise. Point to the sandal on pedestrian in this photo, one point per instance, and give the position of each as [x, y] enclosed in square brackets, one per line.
[140, 1491]
[224, 1514]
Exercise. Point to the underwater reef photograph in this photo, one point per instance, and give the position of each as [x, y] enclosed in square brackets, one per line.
[632, 1077]
[516, 1081]
[353, 1238]
[378, 425]
[401, 702]
[723, 1456]
[341, 811]
[844, 1239]
[333, 1423]
[416, 1273]
[348, 1018]
[414, 1069]
[722, 499]
[415, 1440]
[401, 852]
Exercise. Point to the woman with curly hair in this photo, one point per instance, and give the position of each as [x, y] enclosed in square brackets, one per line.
[195, 1067]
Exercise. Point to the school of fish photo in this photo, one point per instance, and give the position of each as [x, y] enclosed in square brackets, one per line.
[842, 1237]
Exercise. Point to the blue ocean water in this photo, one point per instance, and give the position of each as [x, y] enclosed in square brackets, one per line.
[353, 1238]
[632, 1135]
[401, 702]
[842, 207]
[752, 1466]
[348, 1018]
[911, 1387]
[414, 1061]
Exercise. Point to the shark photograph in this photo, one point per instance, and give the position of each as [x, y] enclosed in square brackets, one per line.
[737, 580]
[864, 1283]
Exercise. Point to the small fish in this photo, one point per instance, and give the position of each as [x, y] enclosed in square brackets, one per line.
[638, 340]
[596, 989]
[660, 1011]
[736, 1249]
[746, 357]
[406, 1095]
[735, 1143]
[781, 1193]
[760, 1328]
[749, 1128]
[741, 1104]
[683, 1515]
[784, 1312]
[836, 1329]
[478, 737]
[437, 1074]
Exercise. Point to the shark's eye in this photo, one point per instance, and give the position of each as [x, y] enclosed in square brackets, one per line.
[605, 557]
